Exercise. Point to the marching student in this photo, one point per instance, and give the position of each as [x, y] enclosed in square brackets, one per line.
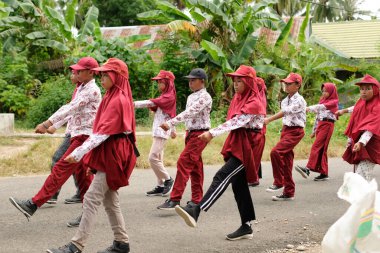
[258, 135]
[111, 156]
[245, 114]
[164, 108]
[64, 146]
[322, 131]
[81, 112]
[197, 120]
[293, 114]
[363, 131]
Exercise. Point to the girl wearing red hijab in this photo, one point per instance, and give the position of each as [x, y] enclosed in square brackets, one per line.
[111, 154]
[323, 130]
[363, 130]
[258, 135]
[165, 109]
[245, 114]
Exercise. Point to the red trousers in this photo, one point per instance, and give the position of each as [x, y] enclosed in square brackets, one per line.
[318, 154]
[282, 156]
[190, 165]
[257, 149]
[61, 172]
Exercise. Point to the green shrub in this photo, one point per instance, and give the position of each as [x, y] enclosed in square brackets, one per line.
[54, 93]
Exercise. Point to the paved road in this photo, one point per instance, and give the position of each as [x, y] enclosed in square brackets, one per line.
[306, 219]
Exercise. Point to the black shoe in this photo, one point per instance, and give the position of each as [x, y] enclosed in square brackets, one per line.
[189, 213]
[73, 200]
[274, 188]
[244, 232]
[282, 197]
[321, 177]
[168, 205]
[75, 222]
[27, 207]
[305, 172]
[254, 184]
[117, 247]
[168, 186]
[156, 191]
[52, 201]
[68, 248]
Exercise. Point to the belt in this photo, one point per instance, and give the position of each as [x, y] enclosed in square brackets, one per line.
[198, 130]
[256, 130]
[328, 120]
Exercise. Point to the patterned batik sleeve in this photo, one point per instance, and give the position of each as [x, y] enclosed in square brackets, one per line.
[232, 124]
[144, 104]
[92, 142]
[365, 137]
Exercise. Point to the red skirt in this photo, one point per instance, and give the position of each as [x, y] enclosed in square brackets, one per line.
[240, 143]
[370, 152]
[116, 158]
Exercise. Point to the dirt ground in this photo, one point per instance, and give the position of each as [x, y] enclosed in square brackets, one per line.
[17, 146]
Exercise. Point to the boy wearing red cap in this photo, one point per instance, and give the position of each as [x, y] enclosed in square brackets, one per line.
[111, 155]
[165, 108]
[245, 114]
[363, 131]
[80, 113]
[293, 114]
[64, 146]
[322, 130]
[197, 120]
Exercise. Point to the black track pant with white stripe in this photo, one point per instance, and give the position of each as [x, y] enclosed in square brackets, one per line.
[232, 172]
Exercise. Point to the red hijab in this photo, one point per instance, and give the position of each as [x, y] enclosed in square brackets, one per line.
[167, 100]
[332, 101]
[262, 89]
[366, 114]
[250, 101]
[116, 112]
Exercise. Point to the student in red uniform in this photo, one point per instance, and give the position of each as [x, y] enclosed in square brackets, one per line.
[363, 129]
[64, 146]
[293, 114]
[258, 135]
[245, 114]
[164, 108]
[197, 120]
[112, 157]
[322, 131]
[80, 112]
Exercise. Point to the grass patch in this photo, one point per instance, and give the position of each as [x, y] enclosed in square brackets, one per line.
[37, 159]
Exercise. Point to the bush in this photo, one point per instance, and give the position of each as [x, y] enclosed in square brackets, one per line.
[54, 93]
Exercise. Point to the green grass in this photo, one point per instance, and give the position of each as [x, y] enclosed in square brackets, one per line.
[37, 159]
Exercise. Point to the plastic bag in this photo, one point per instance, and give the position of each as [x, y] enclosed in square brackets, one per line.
[358, 230]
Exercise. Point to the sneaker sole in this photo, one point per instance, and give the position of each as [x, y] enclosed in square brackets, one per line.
[270, 190]
[299, 170]
[72, 226]
[186, 217]
[324, 179]
[72, 202]
[13, 201]
[50, 202]
[166, 209]
[152, 195]
[277, 199]
[249, 237]
[49, 251]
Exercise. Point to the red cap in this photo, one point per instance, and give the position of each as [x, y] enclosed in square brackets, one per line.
[244, 71]
[85, 63]
[292, 78]
[115, 65]
[368, 79]
[164, 75]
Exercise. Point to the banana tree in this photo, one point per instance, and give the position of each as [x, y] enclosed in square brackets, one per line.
[39, 24]
[222, 31]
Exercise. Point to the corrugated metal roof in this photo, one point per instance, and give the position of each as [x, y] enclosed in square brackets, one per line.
[350, 39]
